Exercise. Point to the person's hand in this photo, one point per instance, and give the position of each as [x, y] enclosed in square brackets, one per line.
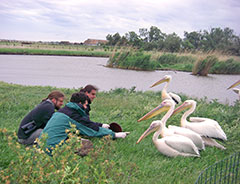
[105, 125]
[121, 134]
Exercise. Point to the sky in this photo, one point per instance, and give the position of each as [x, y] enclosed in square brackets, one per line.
[78, 20]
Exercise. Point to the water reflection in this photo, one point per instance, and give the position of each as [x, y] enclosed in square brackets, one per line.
[75, 72]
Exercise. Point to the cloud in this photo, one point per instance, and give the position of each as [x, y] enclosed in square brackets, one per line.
[77, 20]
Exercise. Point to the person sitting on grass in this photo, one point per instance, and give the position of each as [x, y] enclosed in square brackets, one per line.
[74, 113]
[91, 92]
[33, 123]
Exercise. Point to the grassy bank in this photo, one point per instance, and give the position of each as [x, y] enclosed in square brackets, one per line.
[118, 161]
[208, 63]
[129, 58]
[54, 52]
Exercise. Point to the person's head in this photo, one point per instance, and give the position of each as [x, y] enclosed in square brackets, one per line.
[57, 98]
[79, 97]
[90, 91]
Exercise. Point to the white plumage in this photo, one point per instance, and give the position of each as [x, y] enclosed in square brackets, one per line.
[209, 129]
[172, 145]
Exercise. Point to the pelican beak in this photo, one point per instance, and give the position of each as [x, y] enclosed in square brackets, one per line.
[147, 132]
[159, 109]
[160, 82]
[235, 84]
[181, 108]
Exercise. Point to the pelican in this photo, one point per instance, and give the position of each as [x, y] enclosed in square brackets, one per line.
[236, 90]
[165, 94]
[169, 105]
[173, 145]
[209, 129]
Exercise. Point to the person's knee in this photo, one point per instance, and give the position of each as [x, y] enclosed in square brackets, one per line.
[38, 132]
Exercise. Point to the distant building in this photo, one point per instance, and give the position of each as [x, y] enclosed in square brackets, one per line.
[94, 42]
[65, 43]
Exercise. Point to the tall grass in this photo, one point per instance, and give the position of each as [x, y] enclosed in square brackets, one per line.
[203, 66]
[168, 60]
[111, 161]
[131, 60]
[230, 66]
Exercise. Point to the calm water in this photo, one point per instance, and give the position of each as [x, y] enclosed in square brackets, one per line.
[75, 72]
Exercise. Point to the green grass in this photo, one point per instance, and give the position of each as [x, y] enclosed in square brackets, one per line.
[30, 51]
[134, 163]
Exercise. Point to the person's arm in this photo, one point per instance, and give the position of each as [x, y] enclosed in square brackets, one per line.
[86, 121]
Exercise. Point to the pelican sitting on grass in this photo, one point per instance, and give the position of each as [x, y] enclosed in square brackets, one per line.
[208, 129]
[173, 145]
[165, 94]
[169, 105]
[236, 90]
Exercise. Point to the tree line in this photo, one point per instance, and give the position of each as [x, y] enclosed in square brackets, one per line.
[217, 39]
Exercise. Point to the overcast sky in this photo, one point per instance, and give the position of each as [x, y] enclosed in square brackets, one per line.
[78, 20]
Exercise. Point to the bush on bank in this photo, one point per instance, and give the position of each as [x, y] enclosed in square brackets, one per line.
[168, 61]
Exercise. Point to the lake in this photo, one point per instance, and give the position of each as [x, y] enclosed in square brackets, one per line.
[76, 72]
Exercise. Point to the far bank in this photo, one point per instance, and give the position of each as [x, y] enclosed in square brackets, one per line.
[132, 59]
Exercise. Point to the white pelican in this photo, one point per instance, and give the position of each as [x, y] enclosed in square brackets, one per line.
[209, 129]
[236, 90]
[169, 105]
[165, 94]
[172, 146]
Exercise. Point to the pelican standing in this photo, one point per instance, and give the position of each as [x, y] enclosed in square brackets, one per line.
[173, 145]
[208, 129]
[236, 90]
[165, 94]
[169, 105]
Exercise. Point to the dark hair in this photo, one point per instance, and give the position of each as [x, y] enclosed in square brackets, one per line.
[78, 97]
[54, 95]
[88, 88]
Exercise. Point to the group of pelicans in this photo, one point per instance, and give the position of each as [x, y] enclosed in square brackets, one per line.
[191, 136]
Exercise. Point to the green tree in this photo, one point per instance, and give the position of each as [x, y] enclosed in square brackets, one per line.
[133, 38]
[155, 34]
[143, 34]
[192, 40]
[172, 43]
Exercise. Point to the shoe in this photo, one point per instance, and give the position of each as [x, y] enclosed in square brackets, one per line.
[86, 147]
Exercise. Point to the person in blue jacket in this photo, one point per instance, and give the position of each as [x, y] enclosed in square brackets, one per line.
[74, 113]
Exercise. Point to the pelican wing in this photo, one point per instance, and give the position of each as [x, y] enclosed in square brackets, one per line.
[207, 128]
[212, 142]
[195, 137]
[181, 144]
[175, 97]
[200, 119]
[164, 146]
[236, 90]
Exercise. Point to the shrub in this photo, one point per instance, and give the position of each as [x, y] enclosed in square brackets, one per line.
[131, 60]
[33, 165]
[230, 66]
[172, 59]
[202, 67]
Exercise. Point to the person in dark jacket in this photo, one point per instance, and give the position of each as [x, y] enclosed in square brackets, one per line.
[33, 123]
[74, 113]
[91, 92]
